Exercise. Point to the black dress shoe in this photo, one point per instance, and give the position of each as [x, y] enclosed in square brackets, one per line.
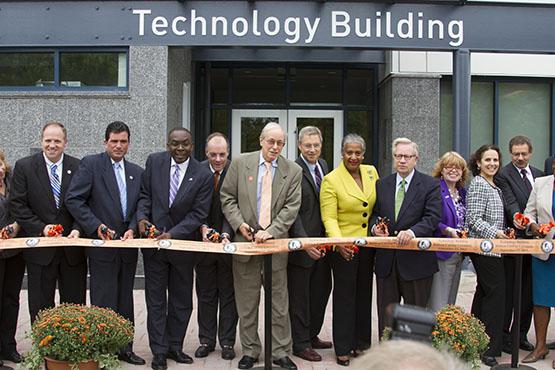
[285, 363]
[489, 361]
[344, 362]
[131, 358]
[525, 345]
[507, 347]
[228, 353]
[12, 356]
[203, 350]
[159, 362]
[551, 345]
[247, 362]
[180, 357]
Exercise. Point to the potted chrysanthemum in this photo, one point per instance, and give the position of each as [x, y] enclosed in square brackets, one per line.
[77, 337]
[460, 333]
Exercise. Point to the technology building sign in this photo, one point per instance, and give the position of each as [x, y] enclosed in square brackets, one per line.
[279, 23]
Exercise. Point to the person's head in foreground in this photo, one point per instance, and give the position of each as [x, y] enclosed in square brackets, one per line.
[407, 355]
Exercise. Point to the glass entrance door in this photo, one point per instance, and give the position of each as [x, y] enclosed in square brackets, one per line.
[248, 123]
[330, 123]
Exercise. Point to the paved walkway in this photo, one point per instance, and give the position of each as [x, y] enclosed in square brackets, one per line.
[214, 361]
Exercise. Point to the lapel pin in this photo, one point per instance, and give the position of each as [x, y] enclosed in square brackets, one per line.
[130, 177]
[69, 172]
[250, 178]
[190, 179]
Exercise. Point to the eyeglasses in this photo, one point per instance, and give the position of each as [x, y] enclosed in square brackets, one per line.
[312, 146]
[452, 168]
[272, 142]
[406, 157]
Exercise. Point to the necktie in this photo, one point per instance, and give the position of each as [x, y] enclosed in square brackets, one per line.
[318, 177]
[526, 181]
[174, 184]
[122, 188]
[265, 198]
[216, 179]
[399, 198]
[55, 184]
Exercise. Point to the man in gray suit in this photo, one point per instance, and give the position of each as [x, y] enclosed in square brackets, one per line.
[262, 191]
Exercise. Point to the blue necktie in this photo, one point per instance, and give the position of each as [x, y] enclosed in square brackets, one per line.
[174, 184]
[55, 184]
[122, 188]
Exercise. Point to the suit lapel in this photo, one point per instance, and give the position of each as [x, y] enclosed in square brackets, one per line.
[518, 180]
[450, 204]
[131, 187]
[367, 181]
[351, 185]
[307, 175]
[165, 174]
[109, 178]
[188, 179]
[251, 180]
[66, 176]
[42, 175]
[277, 183]
[389, 202]
[409, 195]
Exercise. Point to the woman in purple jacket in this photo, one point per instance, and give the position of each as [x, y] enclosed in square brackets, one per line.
[452, 171]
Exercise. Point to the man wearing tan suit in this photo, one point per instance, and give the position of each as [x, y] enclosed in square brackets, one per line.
[262, 190]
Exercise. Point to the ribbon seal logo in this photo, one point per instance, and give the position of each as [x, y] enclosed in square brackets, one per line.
[424, 244]
[97, 242]
[230, 248]
[164, 243]
[547, 246]
[486, 246]
[32, 242]
[360, 242]
[294, 245]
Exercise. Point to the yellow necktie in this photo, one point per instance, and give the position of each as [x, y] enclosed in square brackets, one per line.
[264, 218]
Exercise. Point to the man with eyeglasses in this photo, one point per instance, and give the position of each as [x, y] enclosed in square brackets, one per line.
[515, 181]
[214, 280]
[411, 201]
[308, 272]
[261, 196]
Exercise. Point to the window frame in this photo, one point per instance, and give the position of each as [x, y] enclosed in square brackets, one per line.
[57, 87]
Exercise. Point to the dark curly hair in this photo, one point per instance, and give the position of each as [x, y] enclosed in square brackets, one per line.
[477, 157]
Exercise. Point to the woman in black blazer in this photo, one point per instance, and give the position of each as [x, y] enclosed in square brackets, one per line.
[12, 268]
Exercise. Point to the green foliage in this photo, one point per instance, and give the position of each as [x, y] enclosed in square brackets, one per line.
[460, 333]
[77, 333]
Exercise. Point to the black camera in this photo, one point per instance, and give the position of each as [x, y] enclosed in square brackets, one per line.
[411, 322]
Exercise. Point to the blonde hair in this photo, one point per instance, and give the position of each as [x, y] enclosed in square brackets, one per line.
[407, 355]
[404, 140]
[4, 161]
[451, 159]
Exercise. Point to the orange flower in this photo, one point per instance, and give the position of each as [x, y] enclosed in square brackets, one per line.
[46, 340]
[83, 339]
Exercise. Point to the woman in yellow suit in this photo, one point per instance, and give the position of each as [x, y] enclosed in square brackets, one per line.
[347, 197]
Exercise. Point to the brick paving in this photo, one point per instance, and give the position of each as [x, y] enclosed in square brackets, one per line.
[214, 361]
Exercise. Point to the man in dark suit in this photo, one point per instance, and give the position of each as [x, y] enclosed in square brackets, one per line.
[102, 197]
[515, 181]
[262, 191]
[548, 170]
[175, 197]
[412, 202]
[214, 280]
[308, 272]
[39, 185]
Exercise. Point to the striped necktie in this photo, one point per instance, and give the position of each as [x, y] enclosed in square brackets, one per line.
[55, 184]
[174, 184]
[317, 176]
[122, 188]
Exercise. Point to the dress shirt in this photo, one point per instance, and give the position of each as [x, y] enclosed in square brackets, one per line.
[59, 169]
[182, 169]
[121, 170]
[528, 173]
[261, 170]
[312, 167]
[408, 179]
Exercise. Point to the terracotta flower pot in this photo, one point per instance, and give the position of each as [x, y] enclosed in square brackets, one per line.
[64, 365]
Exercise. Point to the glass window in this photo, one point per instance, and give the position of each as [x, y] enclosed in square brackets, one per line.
[219, 83]
[93, 69]
[481, 115]
[315, 86]
[360, 87]
[27, 69]
[259, 85]
[220, 121]
[251, 127]
[360, 122]
[524, 109]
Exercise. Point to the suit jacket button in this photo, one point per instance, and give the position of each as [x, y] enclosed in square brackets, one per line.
[363, 226]
[364, 204]
[365, 214]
